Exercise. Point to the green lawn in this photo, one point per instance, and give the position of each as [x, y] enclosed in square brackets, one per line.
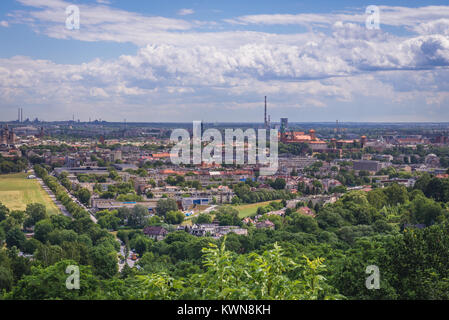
[249, 210]
[16, 191]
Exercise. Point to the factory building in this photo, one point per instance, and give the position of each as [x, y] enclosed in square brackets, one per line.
[7, 136]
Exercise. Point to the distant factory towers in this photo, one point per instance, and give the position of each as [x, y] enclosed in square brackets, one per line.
[20, 115]
[266, 117]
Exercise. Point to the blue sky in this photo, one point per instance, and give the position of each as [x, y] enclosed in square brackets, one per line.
[216, 60]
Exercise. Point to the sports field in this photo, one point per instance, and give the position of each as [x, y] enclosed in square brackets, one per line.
[16, 191]
[249, 210]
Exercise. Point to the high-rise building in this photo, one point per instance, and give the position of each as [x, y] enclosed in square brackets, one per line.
[41, 133]
[363, 141]
[284, 124]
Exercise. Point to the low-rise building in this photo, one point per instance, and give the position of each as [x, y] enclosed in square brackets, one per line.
[367, 165]
[155, 232]
[215, 231]
[267, 224]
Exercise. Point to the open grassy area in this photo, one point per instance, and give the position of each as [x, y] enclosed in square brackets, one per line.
[16, 191]
[249, 210]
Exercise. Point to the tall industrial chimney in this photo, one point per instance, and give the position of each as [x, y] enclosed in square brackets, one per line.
[265, 115]
[21, 114]
[18, 114]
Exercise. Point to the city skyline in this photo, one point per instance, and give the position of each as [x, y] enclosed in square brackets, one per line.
[197, 60]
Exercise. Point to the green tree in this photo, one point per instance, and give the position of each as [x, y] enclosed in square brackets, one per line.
[137, 216]
[302, 223]
[6, 278]
[396, 194]
[424, 210]
[228, 216]
[50, 283]
[278, 184]
[104, 262]
[377, 198]
[42, 229]
[83, 196]
[49, 254]
[166, 205]
[141, 244]
[36, 212]
[4, 211]
[203, 218]
[15, 237]
[174, 217]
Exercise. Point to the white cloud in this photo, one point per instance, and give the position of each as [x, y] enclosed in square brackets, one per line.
[185, 12]
[179, 69]
[98, 92]
[4, 24]
[440, 26]
[97, 22]
[393, 16]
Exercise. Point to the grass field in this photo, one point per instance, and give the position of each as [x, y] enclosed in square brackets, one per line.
[249, 210]
[16, 191]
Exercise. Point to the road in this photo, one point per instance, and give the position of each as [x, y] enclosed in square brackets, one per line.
[131, 263]
[92, 217]
[122, 252]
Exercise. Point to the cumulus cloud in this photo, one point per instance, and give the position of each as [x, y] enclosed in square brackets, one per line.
[179, 69]
[440, 26]
[4, 24]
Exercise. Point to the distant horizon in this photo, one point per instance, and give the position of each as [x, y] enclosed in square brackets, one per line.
[229, 122]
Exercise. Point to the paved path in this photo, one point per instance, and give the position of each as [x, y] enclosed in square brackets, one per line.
[58, 204]
[196, 214]
[208, 210]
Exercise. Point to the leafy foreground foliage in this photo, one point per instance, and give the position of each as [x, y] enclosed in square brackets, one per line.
[270, 275]
[227, 275]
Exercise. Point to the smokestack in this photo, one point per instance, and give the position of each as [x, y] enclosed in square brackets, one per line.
[18, 114]
[21, 114]
[265, 115]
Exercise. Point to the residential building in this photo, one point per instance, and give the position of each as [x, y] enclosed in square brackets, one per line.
[156, 233]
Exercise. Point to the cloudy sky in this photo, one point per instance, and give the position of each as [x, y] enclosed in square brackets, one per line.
[214, 60]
